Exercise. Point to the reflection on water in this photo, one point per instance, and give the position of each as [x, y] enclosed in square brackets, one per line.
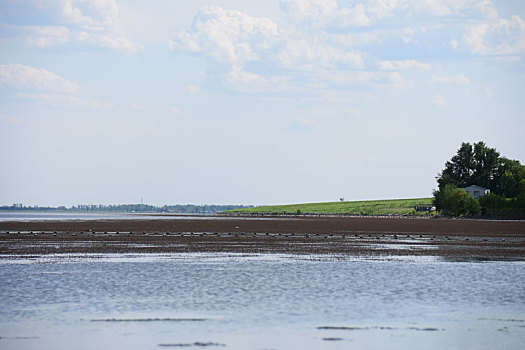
[237, 301]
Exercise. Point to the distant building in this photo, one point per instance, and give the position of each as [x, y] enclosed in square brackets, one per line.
[428, 208]
[477, 191]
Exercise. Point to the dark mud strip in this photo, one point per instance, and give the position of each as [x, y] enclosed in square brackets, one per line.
[344, 328]
[21, 337]
[335, 328]
[501, 319]
[452, 240]
[149, 320]
[196, 344]
[321, 225]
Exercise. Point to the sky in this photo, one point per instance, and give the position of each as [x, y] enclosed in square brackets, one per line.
[251, 102]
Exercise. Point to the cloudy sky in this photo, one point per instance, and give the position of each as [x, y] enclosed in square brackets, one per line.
[251, 102]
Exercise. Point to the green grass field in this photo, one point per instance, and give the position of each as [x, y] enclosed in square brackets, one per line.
[373, 207]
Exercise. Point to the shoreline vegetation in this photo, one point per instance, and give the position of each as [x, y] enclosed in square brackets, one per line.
[385, 207]
[409, 207]
[497, 184]
[382, 207]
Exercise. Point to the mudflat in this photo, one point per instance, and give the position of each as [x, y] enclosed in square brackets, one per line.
[357, 236]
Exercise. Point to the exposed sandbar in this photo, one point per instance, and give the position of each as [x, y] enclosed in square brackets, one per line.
[358, 236]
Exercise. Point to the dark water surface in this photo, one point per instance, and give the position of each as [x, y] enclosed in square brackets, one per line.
[230, 301]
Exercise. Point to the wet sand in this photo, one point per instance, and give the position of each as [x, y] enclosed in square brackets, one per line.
[454, 239]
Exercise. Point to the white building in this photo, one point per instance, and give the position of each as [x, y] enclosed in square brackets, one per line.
[477, 191]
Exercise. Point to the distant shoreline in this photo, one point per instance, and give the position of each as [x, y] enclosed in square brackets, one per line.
[344, 215]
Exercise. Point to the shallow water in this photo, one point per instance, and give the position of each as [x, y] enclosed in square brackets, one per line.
[235, 301]
[28, 216]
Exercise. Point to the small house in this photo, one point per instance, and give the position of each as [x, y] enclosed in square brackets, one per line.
[477, 191]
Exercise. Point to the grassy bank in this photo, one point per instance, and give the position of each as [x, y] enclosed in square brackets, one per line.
[373, 207]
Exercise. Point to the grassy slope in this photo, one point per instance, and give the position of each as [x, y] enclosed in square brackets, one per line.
[375, 207]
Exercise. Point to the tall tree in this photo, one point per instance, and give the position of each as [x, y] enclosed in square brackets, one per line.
[488, 167]
[514, 173]
[474, 165]
[459, 169]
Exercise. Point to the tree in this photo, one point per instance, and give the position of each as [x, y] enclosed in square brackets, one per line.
[521, 194]
[514, 173]
[481, 165]
[459, 169]
[492, 204]
[454, 201]
[488, 167]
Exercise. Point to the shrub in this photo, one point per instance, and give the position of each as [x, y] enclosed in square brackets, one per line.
[493, 202]
[454, 201]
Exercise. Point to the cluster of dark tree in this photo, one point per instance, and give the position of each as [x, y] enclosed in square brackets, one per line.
[133, 208]
[483, 166]
[20, 206]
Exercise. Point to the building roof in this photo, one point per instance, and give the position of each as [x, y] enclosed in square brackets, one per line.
[475, 187]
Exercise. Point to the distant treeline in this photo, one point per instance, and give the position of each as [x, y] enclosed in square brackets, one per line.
[132, 208]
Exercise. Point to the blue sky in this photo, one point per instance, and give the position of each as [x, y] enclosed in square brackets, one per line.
[251, 102]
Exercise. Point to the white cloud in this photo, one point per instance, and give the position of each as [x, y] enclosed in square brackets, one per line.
[92, 22]
[454, 80]
[404, 65]
[326, 12]
[495, 38]
[44, 36]
[246, 82]
[359, 39]
[315, 47]
[91, 15]
[348, 13]
[301, 54]
[228, 36]
[349, 78]
[310, 8]
[63, 100]
[45, 87]
[118, 43]
[440, 101]
[24, 77]
[235, 38]
[49, 36]
[193, 89]
[484, 8]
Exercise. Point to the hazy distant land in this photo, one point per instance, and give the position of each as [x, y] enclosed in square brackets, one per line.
[367, 207]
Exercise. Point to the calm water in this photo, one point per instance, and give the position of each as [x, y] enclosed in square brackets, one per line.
[25, 216]
[259, 302]
[45, 216]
